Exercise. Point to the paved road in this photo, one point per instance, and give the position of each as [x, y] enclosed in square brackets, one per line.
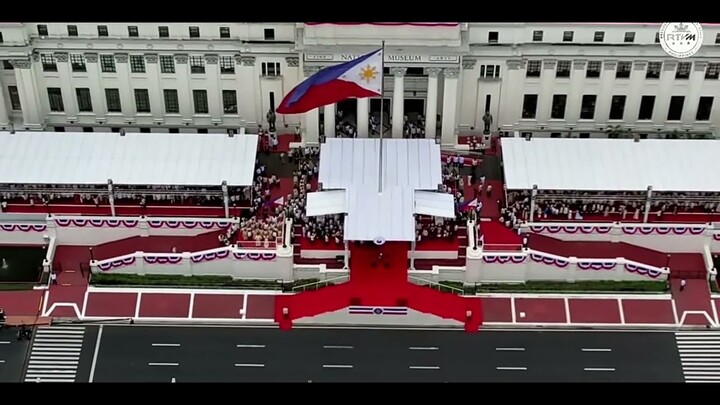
[12, 356]
[218, 354]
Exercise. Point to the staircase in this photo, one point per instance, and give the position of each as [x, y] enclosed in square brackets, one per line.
[331, 263]
[694, 301]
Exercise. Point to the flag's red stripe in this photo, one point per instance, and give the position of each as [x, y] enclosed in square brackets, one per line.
[324, 94]
[415, 24]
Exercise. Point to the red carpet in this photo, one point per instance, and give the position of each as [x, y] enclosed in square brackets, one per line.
[695, 297]
[491, 208]
[21, 303]
[499, 237]
[375, 282]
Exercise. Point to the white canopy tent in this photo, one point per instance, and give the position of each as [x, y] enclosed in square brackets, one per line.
[132, 159]
[380, 207]
[611, 164]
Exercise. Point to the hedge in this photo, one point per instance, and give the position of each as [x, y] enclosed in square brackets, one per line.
[161, 280]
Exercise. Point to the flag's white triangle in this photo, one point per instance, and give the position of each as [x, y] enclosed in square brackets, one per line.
[279, 201]
[473, 203]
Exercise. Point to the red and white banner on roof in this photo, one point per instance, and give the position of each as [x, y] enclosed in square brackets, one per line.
[415, 24]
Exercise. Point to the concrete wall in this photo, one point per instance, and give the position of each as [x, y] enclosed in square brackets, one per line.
[344, 317]
[418, 254]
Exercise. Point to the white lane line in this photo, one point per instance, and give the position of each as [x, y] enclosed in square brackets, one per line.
[702, 377]
[33, 366]
[338, 347]
[424, 348]
[706, 355]
[337, 366]
[255, 365]
[424, 368]
[166, 345]
[54, 358]
[2, 361]
[599, 369]
[250, 346]
[512, 368]
[95, 355]
[704, 372]
[52, 362]
[597, 350]
[698, 346]
[510, 349]
[4, 342]
[682, 351]
[164, 364]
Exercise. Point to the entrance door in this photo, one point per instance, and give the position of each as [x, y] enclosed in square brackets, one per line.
[272, 100]
[487, 102]
[414, 108]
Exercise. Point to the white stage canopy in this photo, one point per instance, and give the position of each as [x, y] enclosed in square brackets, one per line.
[611, 164]
[133, 159]
[351, 167]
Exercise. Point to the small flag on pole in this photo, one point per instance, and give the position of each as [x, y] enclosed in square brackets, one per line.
[366, 310]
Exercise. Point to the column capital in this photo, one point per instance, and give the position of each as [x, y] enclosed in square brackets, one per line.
[433, 71]
[310, 70]
[151, 58]
[669, 65]
[292, 61]
[580, 64]
[513, 64]
[398, 71]
[61, 57]
[121, 58]
[609, 65]
[211, 59]
[181, 59]
[640, 64]
[700, 65]
[468, 64]
[36, 56]
[20, 63]
[246, 60]
[91, 57]
[451, 73]
[549, 64]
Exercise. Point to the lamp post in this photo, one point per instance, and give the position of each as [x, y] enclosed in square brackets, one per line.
[92, 256]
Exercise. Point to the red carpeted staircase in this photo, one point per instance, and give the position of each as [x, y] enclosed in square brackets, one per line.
[378, 281]
[330, 263]
[694, 297]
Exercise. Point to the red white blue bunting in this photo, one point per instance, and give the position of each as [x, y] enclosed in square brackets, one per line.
[571, 229]
[187, 224]
[23, 227]
[177, 259]
[663, 230]
[643, 271]
[504, 259]
[209, 257]
[115, 264]
[716, 236]
[562, 263]
[587, 265]
[254, 256]
[97, 223]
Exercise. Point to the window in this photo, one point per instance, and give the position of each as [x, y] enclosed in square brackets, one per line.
[167, 64]
[629, 37]
[172, 105]
[102, 30]
[537, 36]
[533, 68]
[56, 101]
[59, 129]
[493, 37]
[72, 30]
[88, 129]
[269, 34]
[77, 61]
[174, 130]
[227, 65]
[657, 37]
[14, 98]
[559, 102]
[197, 64]
[115, 129]
[7, 65]
[623, 70]
[587, 108]
[712, 71]
[1, 38]
[133, 31]
[194, 32]
[563, 68]
[42, 30]
[224, 32]
[414, 71]
[164, 32]
[676, 107]
[144, 130]
[201, 101]
[529, 109]
[555, 135]
[271, 69]
[137, 64]
[617, 107]
[704, 109]
[593, 69]
[647, 105]
[653, 70]
[84, 99]
[48, 62]
[599, 36]
[107, 63]
[142, 101]
[489, 71]
[202, 131]
[717, 38]
[112, 96]
[683, 70]
[229, 101]
[568, 36]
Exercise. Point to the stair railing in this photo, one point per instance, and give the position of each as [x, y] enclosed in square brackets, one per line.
[437, 285]
[322, 283]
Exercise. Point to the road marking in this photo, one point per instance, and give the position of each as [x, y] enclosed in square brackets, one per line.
[337, 366]
[511, 368]
[166, 344]
[424, 368]
[598, 369]
[704, 372]
[424, 348]
[597, 350]
[716, 350]
[2, 361]
[4, 342]
[95, 354]
[338, 347]
[55, 353]
[164, 364]
[510, 349]
[173, 380]
[249, 365]
[702, 377]
[250, 346]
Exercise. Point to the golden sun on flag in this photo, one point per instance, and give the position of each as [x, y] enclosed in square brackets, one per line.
[368, 73]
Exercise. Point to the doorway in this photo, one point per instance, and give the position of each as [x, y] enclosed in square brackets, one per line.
[414, 109]
[375, 115]
[346, 111]
[488, 98]
[272, 100]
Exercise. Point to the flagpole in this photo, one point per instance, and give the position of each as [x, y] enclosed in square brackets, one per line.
[382, 114]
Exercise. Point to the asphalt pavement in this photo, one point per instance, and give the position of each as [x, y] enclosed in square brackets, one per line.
[224, 354]
[13, 354]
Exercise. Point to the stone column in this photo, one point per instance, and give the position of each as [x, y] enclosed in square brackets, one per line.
[511, 94]
[665, 87]
[97, 91]
[247, 80]
[432, 99]
[602, 108]
[363, 117]
[398, 105]
[547, 79]
[127, 94]
[330, 120]
[311, 130]
[185, 101]
[214, 89]
[28, 94]
[157, 107]
[577, 84]
[450, 96]
[4, 116]
[697, 78]
[68, 91]
[635, 93]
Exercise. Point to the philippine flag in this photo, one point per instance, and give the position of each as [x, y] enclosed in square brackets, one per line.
[359, 78]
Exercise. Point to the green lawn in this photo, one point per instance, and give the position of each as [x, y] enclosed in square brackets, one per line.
[596, 287]
[155, 280]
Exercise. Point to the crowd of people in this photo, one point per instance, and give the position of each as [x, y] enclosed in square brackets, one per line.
[263, 222]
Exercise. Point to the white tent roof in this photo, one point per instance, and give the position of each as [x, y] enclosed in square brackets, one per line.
[133, 159]
[349, 168]
[611, 164]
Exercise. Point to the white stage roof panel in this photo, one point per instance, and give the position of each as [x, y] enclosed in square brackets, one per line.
[133, 159]
[326, 203]
[388, 215]
[611, 164]
[435, 204]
